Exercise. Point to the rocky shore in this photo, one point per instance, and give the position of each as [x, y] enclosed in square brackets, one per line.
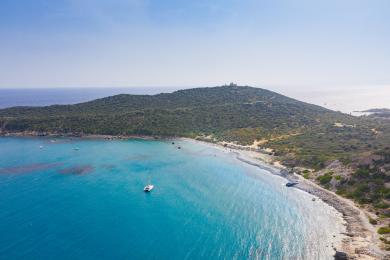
[360, 241]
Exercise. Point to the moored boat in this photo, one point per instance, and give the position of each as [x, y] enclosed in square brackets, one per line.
[291, 184]
[148, 188]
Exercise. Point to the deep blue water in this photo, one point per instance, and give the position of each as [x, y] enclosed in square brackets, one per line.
[61, 96]
[60, 203]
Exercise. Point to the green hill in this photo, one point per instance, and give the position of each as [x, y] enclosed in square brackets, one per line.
[299, 134]
[185, 113]
[306, 134]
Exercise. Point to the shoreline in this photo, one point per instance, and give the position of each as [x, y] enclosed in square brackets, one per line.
[360, 241]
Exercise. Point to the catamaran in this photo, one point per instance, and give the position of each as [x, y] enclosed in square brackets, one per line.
[148, 188]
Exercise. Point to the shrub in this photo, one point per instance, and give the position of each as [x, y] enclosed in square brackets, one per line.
[384, 230]
[341, 191]
[338, 177]
[362, 173]
[324, 179]
[381, 205]
[373, 221]
[384, 240]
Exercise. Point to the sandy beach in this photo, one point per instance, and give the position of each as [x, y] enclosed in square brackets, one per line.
[360, 241]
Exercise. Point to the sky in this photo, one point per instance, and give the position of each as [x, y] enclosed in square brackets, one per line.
[283, 44]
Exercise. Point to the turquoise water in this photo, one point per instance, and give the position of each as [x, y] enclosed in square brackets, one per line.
[60, 203]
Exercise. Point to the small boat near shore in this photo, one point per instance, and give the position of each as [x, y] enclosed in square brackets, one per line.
[291, 184]
[148, 188]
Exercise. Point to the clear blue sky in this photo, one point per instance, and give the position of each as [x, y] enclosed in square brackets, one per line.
[82, 43]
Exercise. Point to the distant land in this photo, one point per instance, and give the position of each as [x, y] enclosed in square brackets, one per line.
[381, 113]
[345, 154]
[378, 110]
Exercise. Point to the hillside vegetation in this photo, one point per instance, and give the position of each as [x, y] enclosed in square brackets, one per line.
[313, 135]
[300, 134]
[190, 112]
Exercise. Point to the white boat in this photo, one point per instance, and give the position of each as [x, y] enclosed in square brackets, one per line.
[148, 188]
[41, 147]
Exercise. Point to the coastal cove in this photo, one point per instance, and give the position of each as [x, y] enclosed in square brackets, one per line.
[243, 130]
[360, 240]
[206, 202]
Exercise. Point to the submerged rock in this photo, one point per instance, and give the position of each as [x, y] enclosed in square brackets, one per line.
[34, 167]
[77, 170]
[340, 256]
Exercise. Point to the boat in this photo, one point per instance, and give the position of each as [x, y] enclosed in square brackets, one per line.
[291, 184]
[148, 188]
[41, 147]
[76, 148]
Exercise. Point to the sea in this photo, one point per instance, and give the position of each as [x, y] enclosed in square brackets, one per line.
[69, 198]
[347, 99]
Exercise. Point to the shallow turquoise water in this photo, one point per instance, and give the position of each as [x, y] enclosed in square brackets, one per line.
[61, 203]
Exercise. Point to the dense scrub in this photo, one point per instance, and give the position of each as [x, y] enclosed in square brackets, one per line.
[222, 111]
[369, 183]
